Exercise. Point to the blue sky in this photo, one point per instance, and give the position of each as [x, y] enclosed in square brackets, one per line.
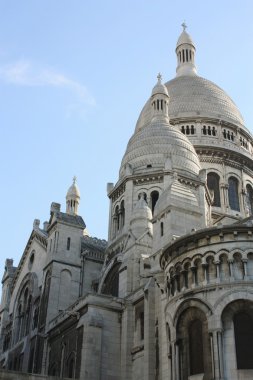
[74, 76]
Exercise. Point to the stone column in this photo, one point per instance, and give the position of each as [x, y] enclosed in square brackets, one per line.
[91, 353]
[194, 270]
[205, 266]
[217, 354]
[217, 264]
[149, 334]
[245, 269]
[230, 263]
[127, 342]
[220, 347]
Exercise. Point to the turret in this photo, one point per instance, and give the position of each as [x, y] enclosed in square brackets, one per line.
[72, 199]
[185, 51]
[160, 100]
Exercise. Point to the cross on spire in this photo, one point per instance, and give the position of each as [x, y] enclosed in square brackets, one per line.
[184, 26]
[159, 77]
[74, 180]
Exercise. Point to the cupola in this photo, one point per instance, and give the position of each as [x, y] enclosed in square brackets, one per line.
[185, 51]
[72, 199]
[160, 100]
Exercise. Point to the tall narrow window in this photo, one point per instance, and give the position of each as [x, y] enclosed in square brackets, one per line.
[249, 199]
[68, 244]
[161, 227]
[243, 327]
[233, 195]
[122, 213]
[213, 184]
[196, 347]
[154, 199]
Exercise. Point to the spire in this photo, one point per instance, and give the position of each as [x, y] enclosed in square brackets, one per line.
[160, 99]
[73, 198]
[185, 51]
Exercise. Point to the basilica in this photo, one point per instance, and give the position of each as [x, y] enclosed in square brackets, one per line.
[169, 296]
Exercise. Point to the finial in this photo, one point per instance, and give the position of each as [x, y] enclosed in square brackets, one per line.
[184, 25]
[74, 180]
[159, 77]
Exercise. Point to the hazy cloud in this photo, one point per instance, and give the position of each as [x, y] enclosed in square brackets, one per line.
[27, 73]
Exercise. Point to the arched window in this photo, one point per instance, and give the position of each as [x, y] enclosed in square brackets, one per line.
[117, 217]
[213, 184]
[111, 284]
[122, 213]
[196, 347]
[249, 199]
[233, 194]
[243, 328]
[28, 315]
[154, 198]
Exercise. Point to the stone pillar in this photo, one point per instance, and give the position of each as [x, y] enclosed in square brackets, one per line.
[220, 347]
[205, 266]
[245, 269]
[230, 263]
[127, 343]
[194, 270]
[149, 334]
[217, 264]
[176, 362]
[91, 353]
[224, 195]
[217, 354]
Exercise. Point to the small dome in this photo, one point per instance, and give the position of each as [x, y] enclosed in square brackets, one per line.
[184, 38]
[159, 88]
[195, 97]
[73, 191]
[160, 146]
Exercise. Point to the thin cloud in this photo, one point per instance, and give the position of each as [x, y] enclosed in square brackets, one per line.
[26, 73]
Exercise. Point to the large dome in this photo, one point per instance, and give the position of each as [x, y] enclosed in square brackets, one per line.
[195, 97]
[160, 146]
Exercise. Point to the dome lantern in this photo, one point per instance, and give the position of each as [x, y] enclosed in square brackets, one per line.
[72, 199]
[160, 100]
[185, 51]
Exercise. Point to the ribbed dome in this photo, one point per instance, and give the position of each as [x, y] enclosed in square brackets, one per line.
[194, 96]
[184, 38]
[73, 191]
[160, 146]
[159, 88]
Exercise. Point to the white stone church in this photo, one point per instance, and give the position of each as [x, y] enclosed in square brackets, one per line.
[170, 295]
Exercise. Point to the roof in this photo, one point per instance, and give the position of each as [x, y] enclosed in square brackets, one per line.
[75, 220]
[160, 146]
[195, 97]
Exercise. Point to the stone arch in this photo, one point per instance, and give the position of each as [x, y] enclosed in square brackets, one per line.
[208, 254]
[111, 282]
[112, 262]
[192, 302]
[237, 324]
[230, 296]
[193, 343]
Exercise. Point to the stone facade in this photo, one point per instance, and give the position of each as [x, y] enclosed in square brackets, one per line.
[170, 295]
